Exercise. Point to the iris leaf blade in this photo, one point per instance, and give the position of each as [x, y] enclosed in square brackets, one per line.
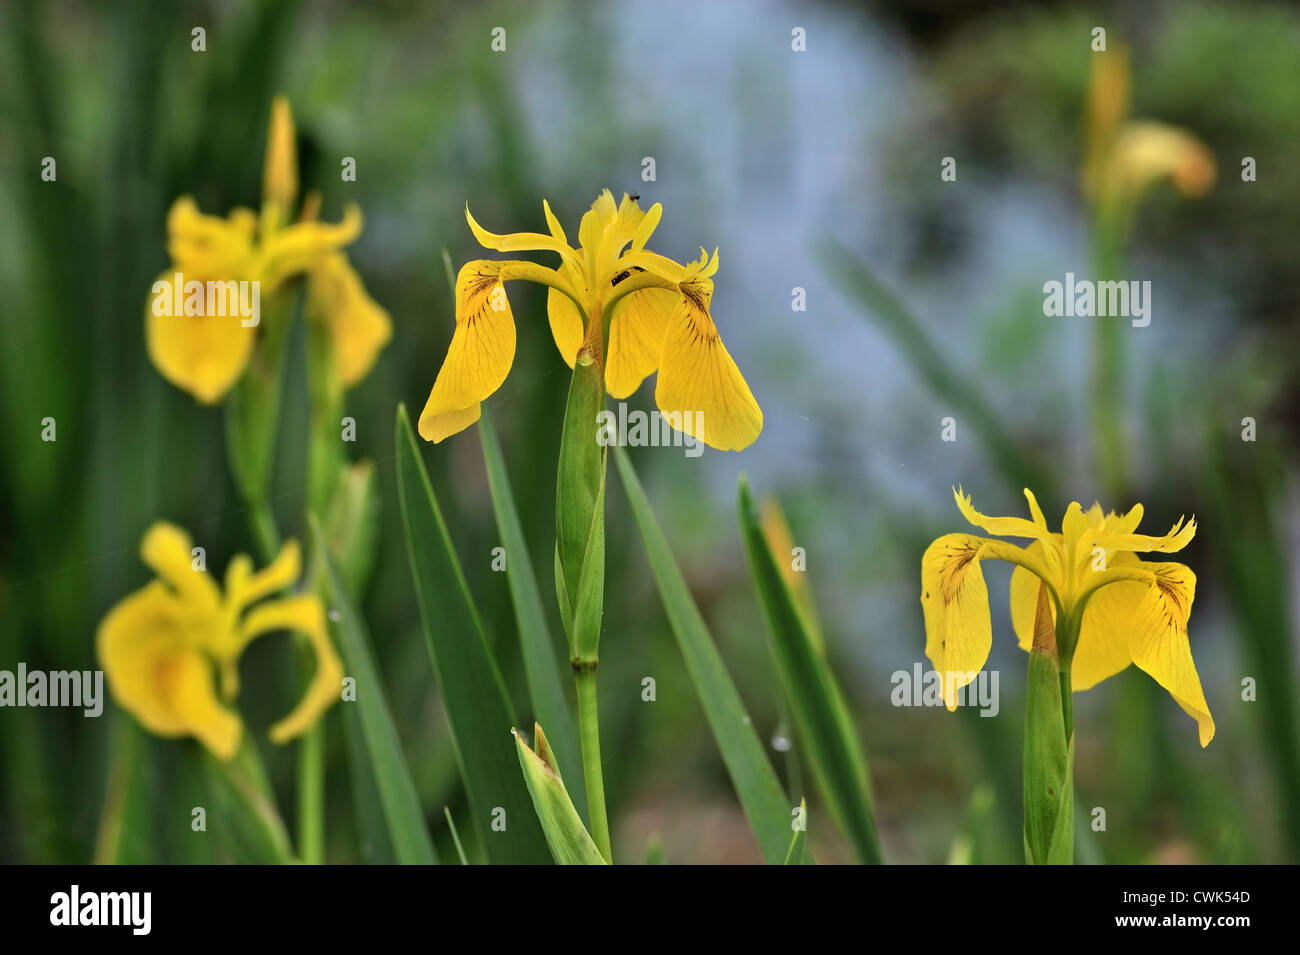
[821, 716]
[545, 688]
[569, 841]
[407, 830]
[765, 804]
[478, 708]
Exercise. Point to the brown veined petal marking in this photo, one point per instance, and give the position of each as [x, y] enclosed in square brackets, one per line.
[480, 355]
[955, 603]
[1159, 642]
[699, 384]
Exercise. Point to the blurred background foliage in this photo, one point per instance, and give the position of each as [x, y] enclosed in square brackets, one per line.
[815, 169]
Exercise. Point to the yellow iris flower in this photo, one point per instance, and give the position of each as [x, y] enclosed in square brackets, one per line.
[610, 301]
[1119, 608]
[1125, 157]
[206, 354]
[162, 646]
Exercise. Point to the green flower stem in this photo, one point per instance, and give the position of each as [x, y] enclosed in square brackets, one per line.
[1048, 762]
[1067, 639]
[589, 731]
[311, 795]
[324, 466]
[580, 568]
[1109, 361]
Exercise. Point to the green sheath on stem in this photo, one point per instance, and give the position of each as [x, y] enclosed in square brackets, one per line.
[1049, 816]
[580, 569]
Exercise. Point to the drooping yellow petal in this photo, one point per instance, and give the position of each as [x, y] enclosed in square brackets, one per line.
[479, 357]
[204, 354]
[699, 385]
[159, 678]
[1159, 642]
[359, 327]
[1146, 153]
[955, 602]
[280, 171]
[636, 338]
[304, 614]
[168, 551]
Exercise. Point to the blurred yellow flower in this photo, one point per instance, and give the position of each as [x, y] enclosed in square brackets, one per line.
[202, 343]
[1126, 157]
[163, 646]
[1118, 608]
[611, 302]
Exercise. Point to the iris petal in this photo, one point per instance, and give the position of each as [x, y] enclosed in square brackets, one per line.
[697, 377]
[480, 355]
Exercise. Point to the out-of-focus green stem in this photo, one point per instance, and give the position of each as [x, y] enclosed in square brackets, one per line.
[589, 731]
[311, 795]
[1109, 364]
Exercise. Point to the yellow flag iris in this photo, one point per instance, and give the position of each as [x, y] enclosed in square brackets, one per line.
[1125, 157]
[610, 301]
[205, 349]
[165, 647]
[1119, 608]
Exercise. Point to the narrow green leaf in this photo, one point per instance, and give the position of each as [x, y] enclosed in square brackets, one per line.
[545, 687]
[455, 836]
[765, 805]
[254, 830]
[407, 830]
[376, 846]
[568, 838]
[473, 693]
[800, 839]
[821, 717]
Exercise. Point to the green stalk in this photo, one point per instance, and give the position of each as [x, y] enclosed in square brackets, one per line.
[1067, 702]
[580, 568]
[324, 466]
[593, 777]
[311, 795]
[1048, 761]
[1109, 360]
